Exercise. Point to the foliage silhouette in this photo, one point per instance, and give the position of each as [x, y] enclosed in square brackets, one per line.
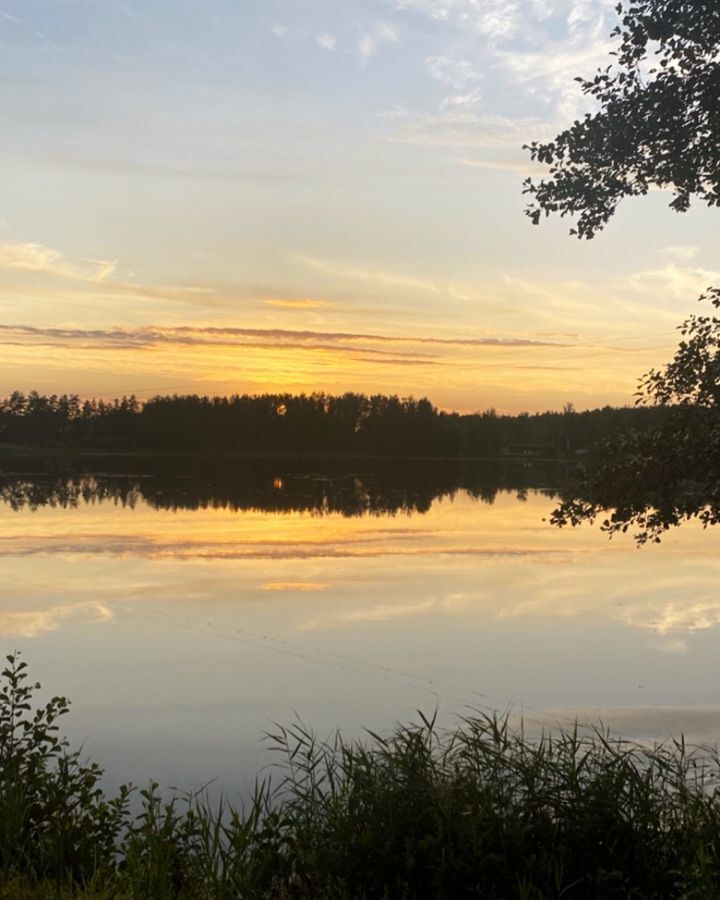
[653, 479]
[657, 124]
[55, 821]
[416, 814]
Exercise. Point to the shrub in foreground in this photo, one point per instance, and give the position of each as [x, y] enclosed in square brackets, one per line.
[482, 811]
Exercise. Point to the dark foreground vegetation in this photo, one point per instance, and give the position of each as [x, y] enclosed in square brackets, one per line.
[320, 424]
[480, 812]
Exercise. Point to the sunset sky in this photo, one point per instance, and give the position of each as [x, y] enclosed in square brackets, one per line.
[250, 195]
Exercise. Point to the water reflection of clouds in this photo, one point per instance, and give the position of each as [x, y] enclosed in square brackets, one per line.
[475, 562]
[148, 546]
[678, 617]
[28, 623]
[346, 602]
[643, 592]
[385, 612]
[698, 725]
[300, 586]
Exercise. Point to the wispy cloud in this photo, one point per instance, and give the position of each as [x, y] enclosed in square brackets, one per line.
[461, 76]
[457, 73]
[354, 272]
[526, 53]
[675, 281]
[545, 74]
[326, 41]
[491, 18]
[462, 101]
[300, 304]
[382, 277]
[519, 167]
[148, 337]
[371, 41]
[681, 252]
[268, 173]
[397, 361]
[463, 129]
[502, 21]
[37, 258]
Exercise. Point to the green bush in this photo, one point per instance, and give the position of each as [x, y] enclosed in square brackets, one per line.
[55, 822]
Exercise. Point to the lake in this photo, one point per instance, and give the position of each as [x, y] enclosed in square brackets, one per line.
[184, 612]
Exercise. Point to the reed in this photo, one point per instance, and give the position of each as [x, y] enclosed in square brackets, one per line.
[479, 811]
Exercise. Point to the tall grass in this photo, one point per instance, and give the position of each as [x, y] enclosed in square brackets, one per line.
[481, 811]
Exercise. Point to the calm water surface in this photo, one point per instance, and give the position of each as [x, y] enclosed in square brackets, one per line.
[183, 618]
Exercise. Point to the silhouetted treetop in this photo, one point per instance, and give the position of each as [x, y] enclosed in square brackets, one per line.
[650, 479]
[657, 122]
[693, 375]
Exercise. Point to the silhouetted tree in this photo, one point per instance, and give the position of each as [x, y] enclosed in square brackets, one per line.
[657, 124]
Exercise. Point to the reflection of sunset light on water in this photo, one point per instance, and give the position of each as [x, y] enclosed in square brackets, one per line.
[360, 620]
[30, 623]
[501, 559]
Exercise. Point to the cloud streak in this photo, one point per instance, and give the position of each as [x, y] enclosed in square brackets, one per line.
[464, 129]
[265, 338]
[300, 304]
[676, 281]
[40, 259]
[370, 42]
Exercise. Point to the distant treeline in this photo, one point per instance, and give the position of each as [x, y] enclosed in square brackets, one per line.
[317, 423]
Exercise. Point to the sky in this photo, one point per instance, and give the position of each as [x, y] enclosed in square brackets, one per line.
[239, 196]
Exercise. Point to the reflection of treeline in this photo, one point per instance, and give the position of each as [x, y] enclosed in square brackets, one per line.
[305, 424]
[386, 490]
